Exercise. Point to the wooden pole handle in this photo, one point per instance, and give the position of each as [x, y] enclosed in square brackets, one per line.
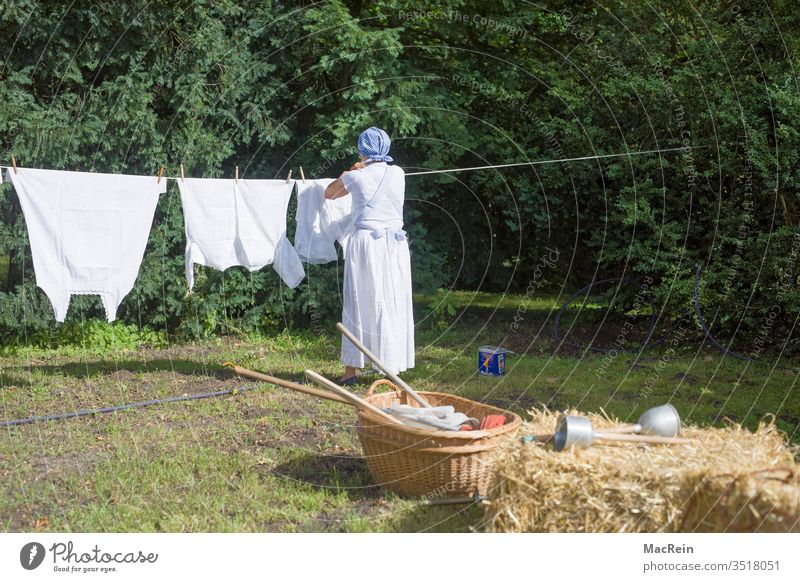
[621, 429]
[287, 384]
[636, 438]
[619, 437]
[375, 360]
[359, 403]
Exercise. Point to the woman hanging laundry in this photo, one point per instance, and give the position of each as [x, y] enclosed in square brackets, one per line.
[377, 273]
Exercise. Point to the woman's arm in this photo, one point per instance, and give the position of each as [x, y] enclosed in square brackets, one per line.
[336, 188]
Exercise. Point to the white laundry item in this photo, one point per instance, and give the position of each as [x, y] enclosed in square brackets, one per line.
[238, 222]
[288, 264]
[441, 417]
[377, 305]
[339, 221]
[321, 222]
[88, 231]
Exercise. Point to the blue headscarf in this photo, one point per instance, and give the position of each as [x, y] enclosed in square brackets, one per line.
[373, 144]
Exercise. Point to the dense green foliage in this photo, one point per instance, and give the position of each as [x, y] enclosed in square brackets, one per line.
[268, 86]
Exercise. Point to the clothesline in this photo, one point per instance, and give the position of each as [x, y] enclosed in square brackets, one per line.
[554, 161]
[509, 165]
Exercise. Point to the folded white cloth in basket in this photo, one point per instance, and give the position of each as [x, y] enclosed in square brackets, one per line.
[441, 417]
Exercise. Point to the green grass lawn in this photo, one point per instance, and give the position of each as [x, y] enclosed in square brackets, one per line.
[274, 460]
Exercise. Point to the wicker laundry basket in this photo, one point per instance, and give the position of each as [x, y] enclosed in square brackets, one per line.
[428, 463]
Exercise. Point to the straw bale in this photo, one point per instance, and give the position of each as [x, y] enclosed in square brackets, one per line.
[762, 501]
[728, 479]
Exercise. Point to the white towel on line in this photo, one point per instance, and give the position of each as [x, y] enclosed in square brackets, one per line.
[238, 222]
[321, 222]
[88, 231]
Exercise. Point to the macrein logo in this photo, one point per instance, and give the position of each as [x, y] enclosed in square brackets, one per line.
[65, 553]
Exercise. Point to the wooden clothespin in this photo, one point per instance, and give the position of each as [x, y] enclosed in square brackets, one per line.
[289, 177]
[302, 175]
[14, 164]
[237, 173]
[160, 173]
[181, 172]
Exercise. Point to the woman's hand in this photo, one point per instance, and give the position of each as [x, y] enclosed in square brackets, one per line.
[358, 166]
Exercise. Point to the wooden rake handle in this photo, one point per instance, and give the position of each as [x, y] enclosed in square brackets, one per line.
[375, 360]
[359, 403]
[287, 384]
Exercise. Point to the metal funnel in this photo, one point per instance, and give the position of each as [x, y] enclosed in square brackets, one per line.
[662, 421]
[573, 431]
[577, 431]
[659, 421]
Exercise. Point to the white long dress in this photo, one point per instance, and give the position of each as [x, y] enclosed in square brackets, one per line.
[377, 273]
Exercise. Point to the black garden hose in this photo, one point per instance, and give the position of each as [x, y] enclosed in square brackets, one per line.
[713, 341]
[93, 411]
[645, 345]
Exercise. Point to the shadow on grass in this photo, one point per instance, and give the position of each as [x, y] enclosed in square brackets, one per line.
[85, 370]
[349, 475]
[424, 518]
[346, 474]
[20, 375]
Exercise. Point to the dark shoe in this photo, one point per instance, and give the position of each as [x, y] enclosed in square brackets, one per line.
[351, 381]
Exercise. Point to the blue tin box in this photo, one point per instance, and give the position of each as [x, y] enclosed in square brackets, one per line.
[491, 360]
